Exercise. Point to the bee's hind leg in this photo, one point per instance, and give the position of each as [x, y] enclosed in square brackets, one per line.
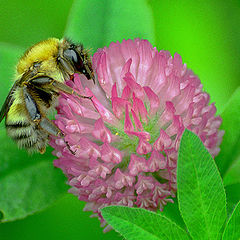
[41, 121]
[52, 129]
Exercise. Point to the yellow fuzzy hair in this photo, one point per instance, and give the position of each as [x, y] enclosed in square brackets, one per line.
[42, 51]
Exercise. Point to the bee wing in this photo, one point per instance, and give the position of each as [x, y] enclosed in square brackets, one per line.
[8, 102]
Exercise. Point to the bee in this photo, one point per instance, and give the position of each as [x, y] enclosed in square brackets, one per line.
[40, 75]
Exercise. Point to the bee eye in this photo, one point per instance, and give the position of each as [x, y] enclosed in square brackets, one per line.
[73, 56]
[77, 60]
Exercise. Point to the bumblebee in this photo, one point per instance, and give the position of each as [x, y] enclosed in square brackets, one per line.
[40, 76]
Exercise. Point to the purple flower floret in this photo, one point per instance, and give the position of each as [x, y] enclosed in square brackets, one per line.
[126, 138]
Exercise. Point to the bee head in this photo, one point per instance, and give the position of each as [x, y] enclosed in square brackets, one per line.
[79, 59]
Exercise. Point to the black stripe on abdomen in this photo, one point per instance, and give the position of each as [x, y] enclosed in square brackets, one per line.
[17, 125]
[21, 136]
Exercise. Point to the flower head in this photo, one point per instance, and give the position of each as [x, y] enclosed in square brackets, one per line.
[126, 138]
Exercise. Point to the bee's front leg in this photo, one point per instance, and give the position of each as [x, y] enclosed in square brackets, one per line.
[47, 82]
[64, 88]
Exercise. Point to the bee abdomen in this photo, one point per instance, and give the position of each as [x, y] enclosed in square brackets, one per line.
[27, 136]
[21, 136]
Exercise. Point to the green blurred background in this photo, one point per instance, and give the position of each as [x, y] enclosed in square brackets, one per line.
[205, 33]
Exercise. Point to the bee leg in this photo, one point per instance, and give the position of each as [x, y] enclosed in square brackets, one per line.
[41, 121]
[43, 82]
[64, 88]
[68, 146]
[52, 129]
[31, 105]
[65, 66]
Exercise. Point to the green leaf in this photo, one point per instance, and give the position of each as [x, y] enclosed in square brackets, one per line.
[230, 147]
[232, 175]
[201, 195]
[27, 22]
[171, 211]
[140, 224]
[28, 183]
[233, 196]
[97, 23]
[8, 58]
[232, 229]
